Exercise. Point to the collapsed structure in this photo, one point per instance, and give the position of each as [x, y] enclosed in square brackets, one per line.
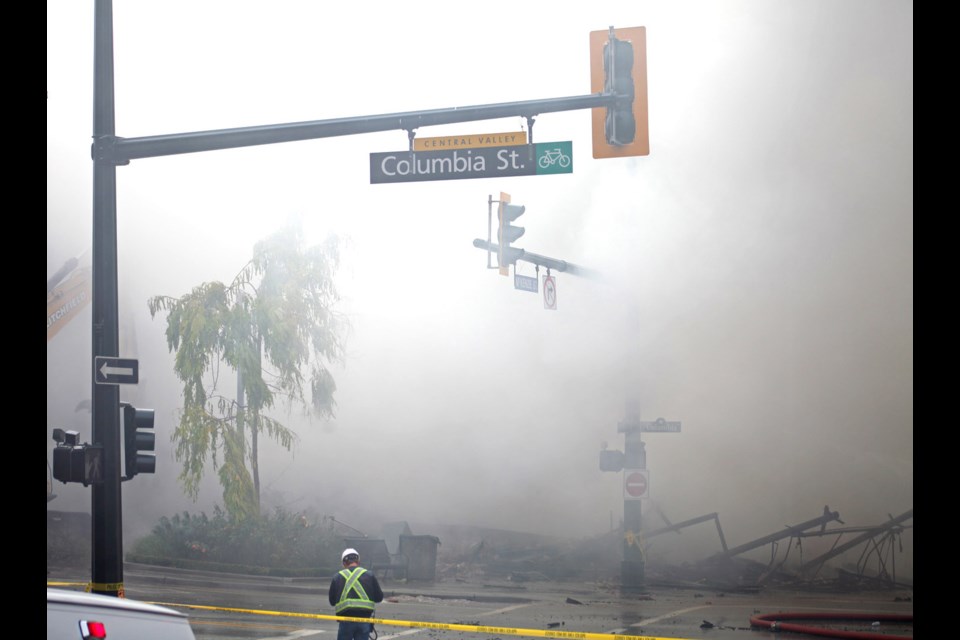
[473, 554]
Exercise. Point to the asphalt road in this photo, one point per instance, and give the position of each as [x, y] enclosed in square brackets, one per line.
[224, 606]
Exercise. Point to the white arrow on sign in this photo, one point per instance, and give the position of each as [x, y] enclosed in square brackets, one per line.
[108, 371]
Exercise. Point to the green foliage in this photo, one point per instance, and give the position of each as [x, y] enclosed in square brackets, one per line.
[276, 320]
[291, 543]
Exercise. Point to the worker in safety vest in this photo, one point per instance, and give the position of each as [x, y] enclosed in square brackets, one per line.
[354, 592]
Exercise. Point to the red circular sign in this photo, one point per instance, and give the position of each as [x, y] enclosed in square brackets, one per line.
[635, 484]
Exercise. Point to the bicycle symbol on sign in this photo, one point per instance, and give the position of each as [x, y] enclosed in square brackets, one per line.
[551, 157]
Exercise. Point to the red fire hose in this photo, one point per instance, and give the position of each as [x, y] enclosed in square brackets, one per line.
[774, 622]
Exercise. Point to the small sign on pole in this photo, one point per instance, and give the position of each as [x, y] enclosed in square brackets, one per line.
[472, 140]
[636, 484]
[524, 283]
[115, 370]
[549, 293]
[660, 426]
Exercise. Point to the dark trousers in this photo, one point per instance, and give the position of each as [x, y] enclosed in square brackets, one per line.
[354, 631]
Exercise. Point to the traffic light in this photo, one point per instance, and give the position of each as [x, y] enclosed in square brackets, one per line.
[611, 460]
[508, 233]
[618, 67]
[138, 441]
[620, 127]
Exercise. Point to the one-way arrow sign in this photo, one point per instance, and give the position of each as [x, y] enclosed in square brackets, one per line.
[115, 370]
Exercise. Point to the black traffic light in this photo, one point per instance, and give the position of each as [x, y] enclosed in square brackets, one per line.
[508, 233]
[139, 441]
[621, 125]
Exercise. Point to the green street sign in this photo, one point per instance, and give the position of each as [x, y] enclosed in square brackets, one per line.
[554, 157]
[541, 158]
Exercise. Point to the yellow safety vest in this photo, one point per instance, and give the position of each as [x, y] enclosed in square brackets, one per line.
[352, 583]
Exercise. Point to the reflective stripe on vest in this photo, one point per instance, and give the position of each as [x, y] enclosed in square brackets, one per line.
[352, 582]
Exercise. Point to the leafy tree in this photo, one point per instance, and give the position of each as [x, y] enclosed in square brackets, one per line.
[273, 322]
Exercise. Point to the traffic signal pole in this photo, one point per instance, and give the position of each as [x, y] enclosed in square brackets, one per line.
[634, 457]
[632, 461]
[537, 259]
[106, 516]
[110, 151]
[121, 150]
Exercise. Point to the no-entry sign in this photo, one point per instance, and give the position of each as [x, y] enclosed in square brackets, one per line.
[636, 484]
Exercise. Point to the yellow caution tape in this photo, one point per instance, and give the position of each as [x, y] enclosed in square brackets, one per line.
[542, 633]
[90, 587]
[107, 587]
[635, 539]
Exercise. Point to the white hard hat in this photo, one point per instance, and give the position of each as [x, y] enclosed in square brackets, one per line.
[349, 552]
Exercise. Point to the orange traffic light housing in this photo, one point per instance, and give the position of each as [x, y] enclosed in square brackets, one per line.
[640, 146]
[507, 233]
